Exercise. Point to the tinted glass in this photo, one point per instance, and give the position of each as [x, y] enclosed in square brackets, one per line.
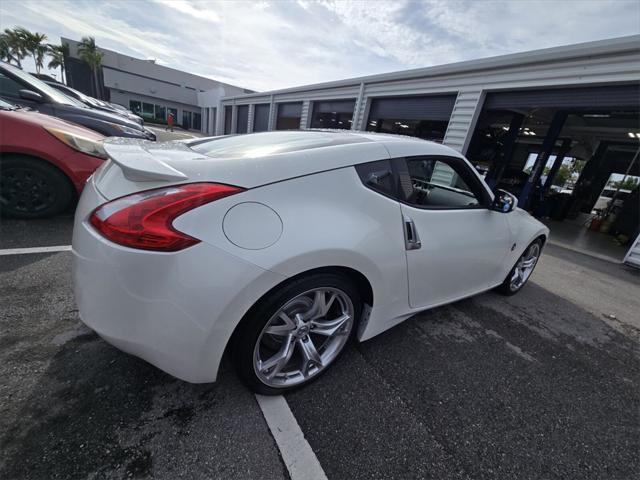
[41, 87]
[9, 87]
[435, 183]
[135, 106]
[378, 176]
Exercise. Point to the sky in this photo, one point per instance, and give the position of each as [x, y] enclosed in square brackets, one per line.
[266, 45]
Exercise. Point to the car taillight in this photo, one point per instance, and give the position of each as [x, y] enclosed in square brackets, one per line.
[144, 220]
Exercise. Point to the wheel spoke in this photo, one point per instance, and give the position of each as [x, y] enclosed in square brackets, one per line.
[275, 364]
[321, 305]
[329, 327]
[310, 356]
[529, 263]
[283, 329]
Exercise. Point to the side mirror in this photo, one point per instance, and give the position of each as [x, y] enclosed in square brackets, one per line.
[504, 202]
[31, 96]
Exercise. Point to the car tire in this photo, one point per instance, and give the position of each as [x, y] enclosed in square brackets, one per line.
[521, 272]
[32, 188]
[256, 346]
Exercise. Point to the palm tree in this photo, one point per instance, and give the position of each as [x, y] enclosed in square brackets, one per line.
[12, 46]
[58, 54]
[89, 53]
[33, 44]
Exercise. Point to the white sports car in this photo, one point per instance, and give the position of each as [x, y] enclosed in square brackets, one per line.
[281, 246]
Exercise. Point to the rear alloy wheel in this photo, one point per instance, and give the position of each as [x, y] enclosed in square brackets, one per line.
[522, 270]
[295, 338]
[31, 188]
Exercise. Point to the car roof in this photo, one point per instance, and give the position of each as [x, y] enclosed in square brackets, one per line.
[290, 141]
[257, 159]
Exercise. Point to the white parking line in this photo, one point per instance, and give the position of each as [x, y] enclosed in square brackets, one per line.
[24, 251]
[294, 448]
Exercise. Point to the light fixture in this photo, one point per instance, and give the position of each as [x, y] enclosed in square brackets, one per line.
[631, 134]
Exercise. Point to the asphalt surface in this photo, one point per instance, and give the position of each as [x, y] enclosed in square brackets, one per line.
[545, 384]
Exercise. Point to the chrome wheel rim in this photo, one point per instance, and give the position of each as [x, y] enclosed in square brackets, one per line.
[303, 337]
[524, 267]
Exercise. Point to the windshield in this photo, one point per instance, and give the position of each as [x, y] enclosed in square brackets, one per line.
[84, 98]
[40, 86]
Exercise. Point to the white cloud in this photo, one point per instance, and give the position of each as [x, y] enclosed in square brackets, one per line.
[266, 45]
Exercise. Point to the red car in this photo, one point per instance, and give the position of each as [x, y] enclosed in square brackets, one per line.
[44, 162]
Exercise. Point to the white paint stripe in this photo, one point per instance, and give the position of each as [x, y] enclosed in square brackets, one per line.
[294, 448]
[25, 251]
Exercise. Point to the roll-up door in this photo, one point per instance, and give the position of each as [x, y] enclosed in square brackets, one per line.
[289, 116]
[261, 117]
[227, 119]
[338, 106]
[432, 107]
[242, 119]
[290, 110]
[333, 114]
[586, 97]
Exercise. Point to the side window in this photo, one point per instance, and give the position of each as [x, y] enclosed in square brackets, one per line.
[378, 176]
[437, 182]
[9, 87]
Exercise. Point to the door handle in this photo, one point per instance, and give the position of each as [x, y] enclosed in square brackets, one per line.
[411, 237]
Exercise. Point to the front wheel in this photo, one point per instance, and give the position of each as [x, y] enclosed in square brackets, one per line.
[522, 270]
[296, 333]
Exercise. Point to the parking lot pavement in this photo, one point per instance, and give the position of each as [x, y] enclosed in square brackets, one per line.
[544, 384]
[72, 406]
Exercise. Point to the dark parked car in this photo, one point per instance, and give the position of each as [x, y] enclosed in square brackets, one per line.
[94, 102]
[18, 87]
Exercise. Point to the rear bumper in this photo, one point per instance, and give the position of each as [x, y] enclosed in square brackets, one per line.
[175, 310]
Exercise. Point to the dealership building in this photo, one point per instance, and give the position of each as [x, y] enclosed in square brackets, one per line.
[146, 88]
[559, 127]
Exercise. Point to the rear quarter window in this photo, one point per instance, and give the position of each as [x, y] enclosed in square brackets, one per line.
[378, 176]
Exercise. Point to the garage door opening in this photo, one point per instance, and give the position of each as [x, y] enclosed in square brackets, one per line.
[557, 150]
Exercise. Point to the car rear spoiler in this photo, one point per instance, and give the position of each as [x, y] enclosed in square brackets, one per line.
[139, 165]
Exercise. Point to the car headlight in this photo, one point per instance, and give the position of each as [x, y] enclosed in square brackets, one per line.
[79, 143]
[127, 130]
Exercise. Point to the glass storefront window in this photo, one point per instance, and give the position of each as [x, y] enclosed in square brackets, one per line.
[160, 113]
[147, 110]
[197, 121]
[186, 119]
[135, 106]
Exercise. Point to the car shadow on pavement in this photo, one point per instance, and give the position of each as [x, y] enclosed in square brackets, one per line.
[101, 413]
